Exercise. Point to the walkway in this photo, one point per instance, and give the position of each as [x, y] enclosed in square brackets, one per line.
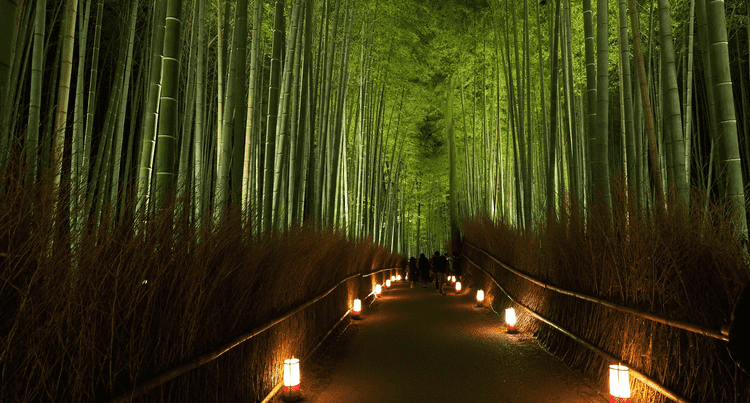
[415, 345]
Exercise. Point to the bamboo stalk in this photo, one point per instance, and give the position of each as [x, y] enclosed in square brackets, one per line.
[656, 318]
[609, 357]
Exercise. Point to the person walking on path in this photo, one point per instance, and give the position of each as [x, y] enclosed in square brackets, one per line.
[424, 268]
[413, 273]
[440, 265]
[456, 265]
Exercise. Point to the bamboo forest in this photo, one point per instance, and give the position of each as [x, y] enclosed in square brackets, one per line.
[175, 173]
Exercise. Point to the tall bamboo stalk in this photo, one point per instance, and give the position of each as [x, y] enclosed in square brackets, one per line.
[151, 111]
[729, 154]
[273, 110]
[35, 97]
[647, 111]
[673, 116]
[166, 147]
[66, 70]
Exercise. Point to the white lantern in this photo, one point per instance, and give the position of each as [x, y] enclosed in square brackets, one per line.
[398, 277]
[291, 375]
[356, 307]
[378, 290]
[619, 384]
[387, 283]
[458, 286]
[480, 297]
[510, 319]
[393, 278]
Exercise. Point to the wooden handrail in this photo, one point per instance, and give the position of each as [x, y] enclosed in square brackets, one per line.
[609, 357]
[214, 354]
[706, 331]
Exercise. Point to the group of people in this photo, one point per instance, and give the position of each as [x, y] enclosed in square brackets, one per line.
[424, 270]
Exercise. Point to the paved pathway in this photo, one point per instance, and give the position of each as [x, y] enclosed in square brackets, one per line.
[415, 345]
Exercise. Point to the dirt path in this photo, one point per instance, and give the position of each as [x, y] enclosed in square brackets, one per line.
[415, 345]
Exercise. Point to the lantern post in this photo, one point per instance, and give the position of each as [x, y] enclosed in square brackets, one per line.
[619, 384]
[356, 309]
[291, 379]
[510, 320]
[480, 297]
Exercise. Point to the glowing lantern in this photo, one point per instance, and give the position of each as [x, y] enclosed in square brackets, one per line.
[387, 283]
[398, 277]
[480, 297]
[291, 375]
[453, 279]
[458, 286]
[393, 278]
[356, 307]
[510, 319]
[378, 290]
[619, 384]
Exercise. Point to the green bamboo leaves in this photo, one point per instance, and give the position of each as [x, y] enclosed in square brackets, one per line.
[341, 97]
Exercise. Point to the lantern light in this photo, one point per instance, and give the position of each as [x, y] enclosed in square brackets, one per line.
[378, 290]
[458, 287]
[480, 297]
[393, 278]
[510, 319]
[291, 375]
[453, 279]
[398, 277]
[619, 384]
[356, 307]
[387, 283]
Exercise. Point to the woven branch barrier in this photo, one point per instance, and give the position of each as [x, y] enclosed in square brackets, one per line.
[214, 354]
[303, 359]
[609, 357]
[706, 331]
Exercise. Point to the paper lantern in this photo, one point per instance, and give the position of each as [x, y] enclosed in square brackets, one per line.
[458, 286]
[398, 277]
[619, 384]
[393, 278]
[480, 297]
[387, 283]
[356, 307]
[291, 375]
[510, 319]
[378, 290]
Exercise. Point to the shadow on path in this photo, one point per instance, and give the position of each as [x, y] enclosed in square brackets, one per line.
[415, 345]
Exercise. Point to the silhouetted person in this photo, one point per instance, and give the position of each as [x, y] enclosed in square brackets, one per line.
[440, 266]
[456, 263]
[413, 272]
[424, 269]
[739, 332]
